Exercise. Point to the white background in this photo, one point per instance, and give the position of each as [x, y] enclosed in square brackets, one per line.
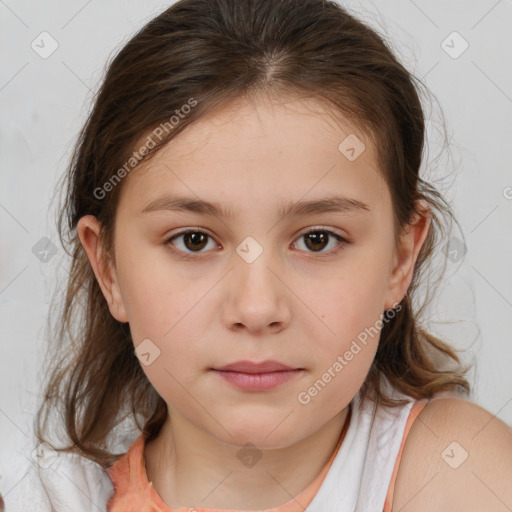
[44, 102]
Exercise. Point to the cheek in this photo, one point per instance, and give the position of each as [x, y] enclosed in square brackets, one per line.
[174, 321]
[156, 294]
[350, 303]
[347, 337]
[170, 310]
[343, 357]
[171, 321]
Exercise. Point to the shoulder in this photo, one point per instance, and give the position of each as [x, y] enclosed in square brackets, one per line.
[60, 482]
[457, 456]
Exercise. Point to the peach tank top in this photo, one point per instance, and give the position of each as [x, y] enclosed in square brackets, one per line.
[358, 477]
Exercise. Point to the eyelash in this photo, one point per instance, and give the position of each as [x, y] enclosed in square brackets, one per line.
[340, 246]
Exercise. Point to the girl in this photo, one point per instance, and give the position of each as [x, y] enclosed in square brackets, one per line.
[248, 229]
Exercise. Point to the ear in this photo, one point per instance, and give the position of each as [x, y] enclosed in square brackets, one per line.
[89, 229]
[406, 255]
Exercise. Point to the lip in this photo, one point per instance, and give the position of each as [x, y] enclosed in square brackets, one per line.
[251, 376]
[254, 367]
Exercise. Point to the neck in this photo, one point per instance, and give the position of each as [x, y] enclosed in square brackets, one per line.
[190, 468]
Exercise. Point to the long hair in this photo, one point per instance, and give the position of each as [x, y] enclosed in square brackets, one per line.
[195, 57]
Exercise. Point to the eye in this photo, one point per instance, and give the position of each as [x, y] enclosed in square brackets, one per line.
[317, 239]
[192, 239]
[195, 240]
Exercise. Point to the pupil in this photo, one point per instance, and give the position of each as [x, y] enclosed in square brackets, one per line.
[196, 239]
[318, 238]
[315, 240]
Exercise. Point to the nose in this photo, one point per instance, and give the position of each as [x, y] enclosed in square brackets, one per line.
[258, 299]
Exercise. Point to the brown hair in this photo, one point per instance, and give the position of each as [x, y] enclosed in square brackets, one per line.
[206, 53]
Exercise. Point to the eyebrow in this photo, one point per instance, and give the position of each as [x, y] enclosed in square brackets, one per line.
[338, 204]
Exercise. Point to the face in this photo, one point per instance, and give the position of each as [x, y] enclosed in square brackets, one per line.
[250, 282]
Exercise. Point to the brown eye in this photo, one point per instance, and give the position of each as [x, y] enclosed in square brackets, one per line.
[316, 240]
[190, 241]
[195, 241]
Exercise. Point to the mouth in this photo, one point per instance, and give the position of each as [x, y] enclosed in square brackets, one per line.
[253, 376]
[256, 367]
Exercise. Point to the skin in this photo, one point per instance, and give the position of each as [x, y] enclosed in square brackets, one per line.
[476, 471]
[292, 304]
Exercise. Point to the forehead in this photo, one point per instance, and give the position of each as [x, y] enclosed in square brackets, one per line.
[264, 150]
